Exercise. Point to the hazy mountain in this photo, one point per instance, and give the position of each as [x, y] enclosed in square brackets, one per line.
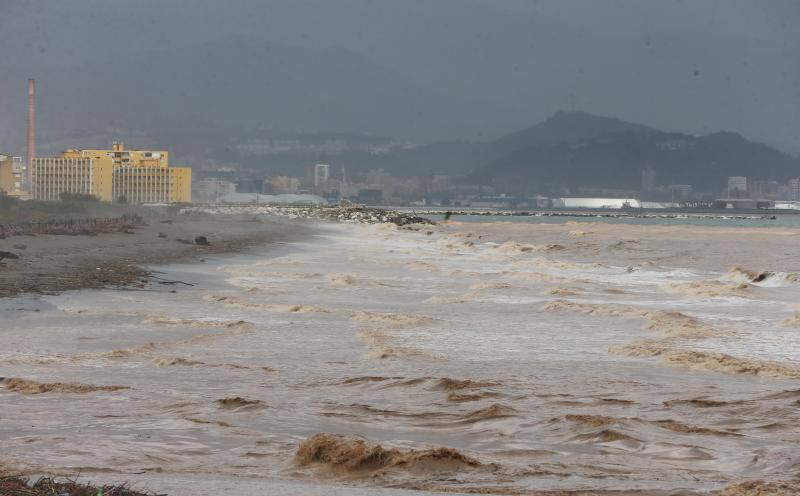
[565, 127]
[578, 150]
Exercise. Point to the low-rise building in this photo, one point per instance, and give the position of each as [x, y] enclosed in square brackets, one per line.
[11, 175]
[133, 176]
[614, 203]
[737, 187]
[794, 189]
[211, 190]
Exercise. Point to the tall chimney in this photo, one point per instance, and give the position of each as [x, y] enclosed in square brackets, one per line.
[31, 129]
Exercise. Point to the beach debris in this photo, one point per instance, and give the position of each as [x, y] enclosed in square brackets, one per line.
[353, 214]
[7, 255]
[45, 486]
[161, 235]
[73, 227]
[198, 240]
[760, 488]
[161, 280]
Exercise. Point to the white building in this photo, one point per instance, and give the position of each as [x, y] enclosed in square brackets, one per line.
[211, 190]
[322, 172]
[794, 189]
[597, 203]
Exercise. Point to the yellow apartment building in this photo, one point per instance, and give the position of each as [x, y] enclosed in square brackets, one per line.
[133, 176]
[11, 172]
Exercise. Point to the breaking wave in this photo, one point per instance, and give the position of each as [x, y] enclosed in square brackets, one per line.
[494, 411]
[170, 361]
[669, 323]
[422, 267]
[489, 285]
[445, 300]
[608, 436]
[596, 421]
[234, 302]
[381, 346]
[677, 324]
[239, 403]
[712, 362]
[355, 456]
[720, 362]
[793, 321]
[513, 247]
[341, 280]
[449, 384]
[562, 292]
[591, 420]
[394, 319]
[765, 278]
[708, 289]
[129, 352]
[224, 324]
[600, 309]
[27, 386]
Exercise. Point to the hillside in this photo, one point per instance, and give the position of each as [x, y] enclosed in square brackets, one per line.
[565, 127]
[574, 150]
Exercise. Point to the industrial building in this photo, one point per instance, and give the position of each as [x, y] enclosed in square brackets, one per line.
[133, 176]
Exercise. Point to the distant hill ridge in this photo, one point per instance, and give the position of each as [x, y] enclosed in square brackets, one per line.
[567, 127]
[576, 149]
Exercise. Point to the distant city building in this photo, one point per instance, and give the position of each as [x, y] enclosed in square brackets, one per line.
[211, 190]
[322, 173]
[228, 173]
[596, 203]
[370, 196]
[680, 191]
[736, 203]
[249, 185]
[764, 189]
[256, 198]
[438, 183]
[794, 189]
[285, 184]
[737, 187]
[133, 176]
[648, 179]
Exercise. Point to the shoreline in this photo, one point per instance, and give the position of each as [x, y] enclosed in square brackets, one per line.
[75, 258]
[254, 317]
[53, 263]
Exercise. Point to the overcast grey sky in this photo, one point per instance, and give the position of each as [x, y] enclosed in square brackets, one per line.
[415, 69]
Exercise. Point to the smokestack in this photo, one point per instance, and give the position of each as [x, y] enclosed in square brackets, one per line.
[31, 129]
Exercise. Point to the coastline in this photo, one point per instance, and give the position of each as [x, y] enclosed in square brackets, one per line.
[371, 345]
[51, 263]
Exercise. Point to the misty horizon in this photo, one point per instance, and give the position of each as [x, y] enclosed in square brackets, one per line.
[411, 71]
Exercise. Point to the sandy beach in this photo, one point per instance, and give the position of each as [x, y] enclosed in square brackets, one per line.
[53, 263]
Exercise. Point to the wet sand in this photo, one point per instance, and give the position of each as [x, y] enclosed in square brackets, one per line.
[54, 263]
[460, 358]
